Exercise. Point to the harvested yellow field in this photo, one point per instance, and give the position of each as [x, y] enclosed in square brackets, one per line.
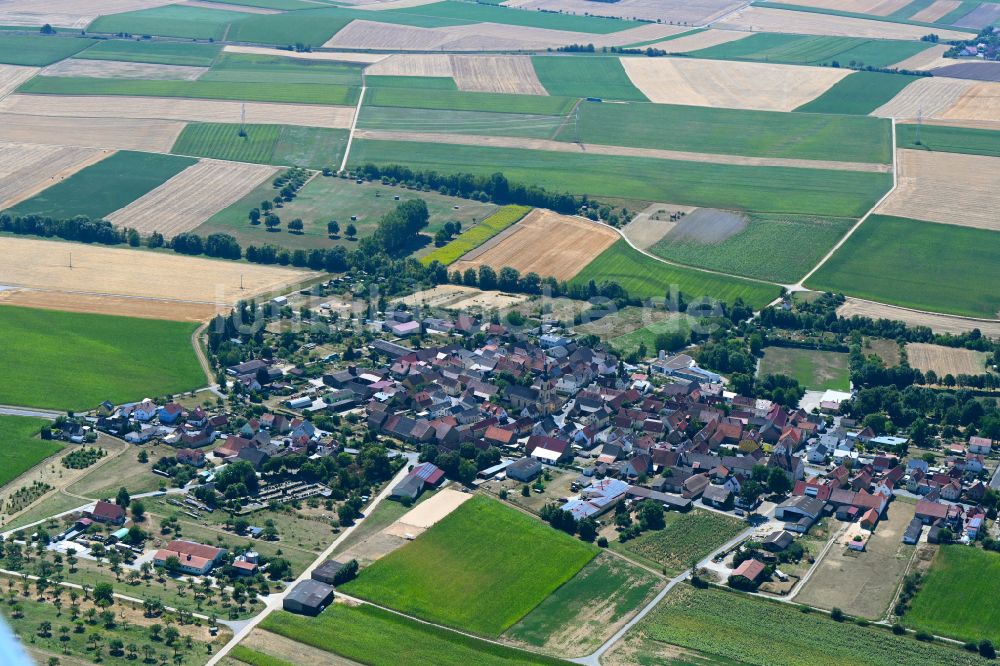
[499, 74]
[305, 55]
[936, 10]
[735, 85]
[67, 13]
[428, 513]
[191, 197]
[457, 297]
[928, 96]
[124, 306]
[949, 188]
[195, 110]
[113, 69]
[101, 271]
[876, 7]
[416, 64]
[27, 169]
[939, 323]
[946, 360]
[763, 19]
[980, 101]
[700, 40]
[544, 242]
[927, 59]
[12, 76]
[117, 133]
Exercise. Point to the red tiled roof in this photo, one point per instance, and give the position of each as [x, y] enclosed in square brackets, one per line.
[750, 569]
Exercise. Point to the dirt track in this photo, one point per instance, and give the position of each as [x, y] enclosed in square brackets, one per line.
[936, 322]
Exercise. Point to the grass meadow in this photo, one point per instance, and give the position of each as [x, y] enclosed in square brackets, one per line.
[735, 132]
[645, 277]
[22, 449]
[106, 186]
[687, 536]
[586, 77]
[170, 21]
[458, 122]
[458, 100]
[959, 594]
[68, 360]
[764, 189]
[38, 50]
[293, 93]
[476, 236]
[922, 265]
[425, 82]
[779, 248]
[482, 568]
[731, 627]
[943, 139]
[163, 53]
[859, 94]
[270, 70]
[467, 12]
[284, 145]
[814, 50]
[814, 370]
[252, 657]
[376, 637]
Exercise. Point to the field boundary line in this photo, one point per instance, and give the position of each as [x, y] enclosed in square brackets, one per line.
[895, 182]
[354, 124]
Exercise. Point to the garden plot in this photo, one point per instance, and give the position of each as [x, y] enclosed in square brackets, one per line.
[693, 12]
[763, 19]
[206, 111]
[936, 10]
[499, 74]
[950, 188]
[148, 135]
[981, 101]
[737, 85]
[27, 169]
[927, 97]
[114, 69]
[938, 323]
[12, 76]
[417, 64]
[66, 13]
[545, 243]
[305, 55]
[927, 59]
[946, 360]
[188, 199]
[700, 40]
[427, 514]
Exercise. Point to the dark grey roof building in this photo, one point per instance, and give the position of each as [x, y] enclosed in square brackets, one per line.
[309, 597]
[326, 572]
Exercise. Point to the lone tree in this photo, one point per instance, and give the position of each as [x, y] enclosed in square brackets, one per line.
[332, 228]
[295, 226]
[123, 498]
[351, 231]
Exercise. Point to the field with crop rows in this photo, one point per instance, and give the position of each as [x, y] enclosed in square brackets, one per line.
[285, 145]
[946, 139]
[860, 93]
[479, 234]
[458, 122]
[482, 545]
[22, 449]
[38, 50]
[921, 265]
[163, 53]
[457, 100]
[270, 70]
[814, 50]
[686, 537]
[586, 77]
[170, 21]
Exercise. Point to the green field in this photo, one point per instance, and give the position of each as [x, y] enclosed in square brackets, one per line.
[457, 100]
[922, 265]
[778, 248]
[944, 139]
[605, 591]
[271, 4]
[814, 50]
[425, 82]
[814, 370]
[482, 568]
[458, 122]
[284, 145]
[467, 12]
[376, 637]
[68, 360]
[22, 449]
[473, 238]
[631, 342]
[586, 77]
[170, 21]
[860, 93]
[645, 277]
[687, 537]
[103, 188]
[297, 93]
[254, 658]
[729, 627]
[959, 595]
[164, 53]
[243, 68]
[764, 189]
[734, 132]
[324, 199]
[38, 50]
[945, 20]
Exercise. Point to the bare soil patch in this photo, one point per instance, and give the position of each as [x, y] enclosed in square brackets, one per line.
[936, 10]
[887, 350]
[981, 101]
[116, 133]
[500, 74]
[114, 69]
[936, 322]
[12, 76]
[429, 513]
[700, 40]
[653, 223]
[305, 55]
[416, 64]
[950, 188]
[927, 59]
[291, 651]
[685, 12]
[159, 108]
[545, 243]
[737, 85]
[763, 19]
[708, 225]
[191, 197]
[946, 360]
[929, 96]
[27, 169]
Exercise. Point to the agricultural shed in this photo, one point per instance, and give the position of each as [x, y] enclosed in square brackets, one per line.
[327, 572]
[309, 597]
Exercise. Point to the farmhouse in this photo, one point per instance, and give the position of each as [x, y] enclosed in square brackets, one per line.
[107, 512]
[751, 569]
[799, 513]
[309, 597]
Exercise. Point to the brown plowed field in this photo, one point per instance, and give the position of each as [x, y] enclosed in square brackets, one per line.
[544, 242]
[27, 169]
